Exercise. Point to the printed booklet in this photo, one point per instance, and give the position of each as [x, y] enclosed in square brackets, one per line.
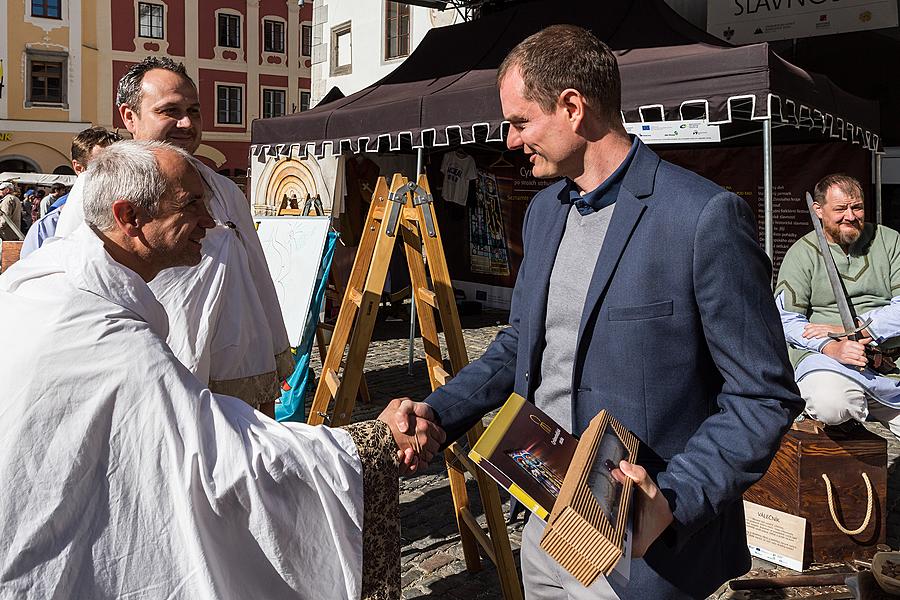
[527, 452]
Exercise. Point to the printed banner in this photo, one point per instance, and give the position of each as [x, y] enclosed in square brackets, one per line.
[487, 240]
[751, 21]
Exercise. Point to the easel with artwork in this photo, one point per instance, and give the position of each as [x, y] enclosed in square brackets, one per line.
[406, 208]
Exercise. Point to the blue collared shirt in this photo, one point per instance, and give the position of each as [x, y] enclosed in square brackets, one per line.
[604, 194]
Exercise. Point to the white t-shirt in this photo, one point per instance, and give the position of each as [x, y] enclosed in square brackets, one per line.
[458, 169]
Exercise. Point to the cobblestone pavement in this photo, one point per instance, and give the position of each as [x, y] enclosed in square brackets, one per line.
[432, 560]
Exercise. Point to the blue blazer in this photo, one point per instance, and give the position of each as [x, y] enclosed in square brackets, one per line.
[679, 339]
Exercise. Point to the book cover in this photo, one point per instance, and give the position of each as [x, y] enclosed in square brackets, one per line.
[527, 453]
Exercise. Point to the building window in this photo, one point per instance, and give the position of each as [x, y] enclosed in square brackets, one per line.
[46, 80]
[50, 9]
[304, 100]
[273, 103]
[396, 30]
[230, 31]
[273, 36]
[229, 104]
[306, 40]
[341, 50]
[150, 20]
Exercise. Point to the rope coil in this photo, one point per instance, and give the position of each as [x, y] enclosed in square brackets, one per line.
[834, 518]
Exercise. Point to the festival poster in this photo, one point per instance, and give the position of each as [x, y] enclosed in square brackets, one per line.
[487, 239]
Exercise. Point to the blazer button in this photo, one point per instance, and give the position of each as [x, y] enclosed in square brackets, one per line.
[526, 375]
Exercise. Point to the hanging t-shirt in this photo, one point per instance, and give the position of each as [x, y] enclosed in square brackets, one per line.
[458, 169]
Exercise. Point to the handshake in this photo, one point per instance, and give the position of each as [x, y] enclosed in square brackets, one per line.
[417, 436]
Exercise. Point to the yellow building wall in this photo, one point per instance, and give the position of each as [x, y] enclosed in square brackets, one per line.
[44, 148]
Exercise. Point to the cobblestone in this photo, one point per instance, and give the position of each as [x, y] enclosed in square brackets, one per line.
[432, 563]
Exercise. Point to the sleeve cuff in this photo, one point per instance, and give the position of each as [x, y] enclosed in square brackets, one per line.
[381, 509]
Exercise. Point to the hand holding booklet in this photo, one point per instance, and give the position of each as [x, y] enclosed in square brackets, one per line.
[567, 482]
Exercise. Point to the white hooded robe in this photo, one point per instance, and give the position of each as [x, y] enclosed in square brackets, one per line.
[123, 477]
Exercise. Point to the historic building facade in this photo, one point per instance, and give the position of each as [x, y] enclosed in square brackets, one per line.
[61, 61]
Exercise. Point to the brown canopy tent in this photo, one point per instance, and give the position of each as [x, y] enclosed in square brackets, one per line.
[670, 70]
[445, 92]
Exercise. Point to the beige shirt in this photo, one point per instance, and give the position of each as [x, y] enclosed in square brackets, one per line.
[11, 206]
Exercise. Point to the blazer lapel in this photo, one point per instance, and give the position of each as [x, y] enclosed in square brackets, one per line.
[637, 184]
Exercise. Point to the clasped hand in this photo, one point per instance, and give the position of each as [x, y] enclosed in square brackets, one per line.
[845, 351]
[417, 436]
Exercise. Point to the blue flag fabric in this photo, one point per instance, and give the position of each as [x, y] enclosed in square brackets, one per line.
[292, 406]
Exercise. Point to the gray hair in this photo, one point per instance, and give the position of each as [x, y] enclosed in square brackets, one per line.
[127, 170]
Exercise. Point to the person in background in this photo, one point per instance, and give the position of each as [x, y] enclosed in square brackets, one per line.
[27, 202]
[56, 190]
[85, 146]
[11, 207]
[225, 323]
[836, 377]
[36, 204]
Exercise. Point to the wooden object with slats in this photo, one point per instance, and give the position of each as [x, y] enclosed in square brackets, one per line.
[794, 484]
[406, 209]
[579, 535]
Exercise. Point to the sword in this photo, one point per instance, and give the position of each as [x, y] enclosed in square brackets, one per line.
[849, 320]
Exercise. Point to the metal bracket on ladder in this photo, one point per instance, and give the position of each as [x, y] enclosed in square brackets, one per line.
[420, 197]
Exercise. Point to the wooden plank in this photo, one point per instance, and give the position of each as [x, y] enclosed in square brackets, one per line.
[428, 297]
[372, 287]
[347, 316]
[440, 375]
[443, 287]
[355, 297]
[461, 502]
[332, 381]
[478, 533]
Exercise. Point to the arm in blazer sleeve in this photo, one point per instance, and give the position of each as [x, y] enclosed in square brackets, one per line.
[732, 448]
[485, 383]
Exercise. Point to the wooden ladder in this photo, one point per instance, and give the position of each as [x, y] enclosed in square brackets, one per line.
[407, 208]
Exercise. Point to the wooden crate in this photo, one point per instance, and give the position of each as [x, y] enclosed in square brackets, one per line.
[794, 484]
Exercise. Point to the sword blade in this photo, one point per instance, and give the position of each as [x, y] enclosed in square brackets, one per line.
[845, 308]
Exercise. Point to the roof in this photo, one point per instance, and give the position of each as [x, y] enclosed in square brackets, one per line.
[669, 69]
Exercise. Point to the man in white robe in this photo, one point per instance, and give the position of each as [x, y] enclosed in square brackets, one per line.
[123, 477]
[225, 323]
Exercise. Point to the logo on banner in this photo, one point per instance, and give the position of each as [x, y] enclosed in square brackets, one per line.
[728, 34]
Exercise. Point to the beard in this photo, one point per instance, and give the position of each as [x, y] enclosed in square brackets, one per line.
[845, 236]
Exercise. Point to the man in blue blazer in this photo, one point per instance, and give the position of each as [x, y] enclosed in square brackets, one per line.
[643, 291]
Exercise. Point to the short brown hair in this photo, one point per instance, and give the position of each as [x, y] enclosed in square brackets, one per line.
[849, 185]
[560, 57]
[85, 142]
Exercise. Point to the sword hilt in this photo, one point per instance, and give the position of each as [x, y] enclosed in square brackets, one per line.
[852, 333]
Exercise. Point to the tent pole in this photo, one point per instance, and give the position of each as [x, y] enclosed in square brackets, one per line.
[767, 187]
[412, 293]
[879, 216]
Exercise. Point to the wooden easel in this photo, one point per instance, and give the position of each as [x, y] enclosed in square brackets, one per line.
[407, 208]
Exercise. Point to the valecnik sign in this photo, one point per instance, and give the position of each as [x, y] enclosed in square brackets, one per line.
[750, 21]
